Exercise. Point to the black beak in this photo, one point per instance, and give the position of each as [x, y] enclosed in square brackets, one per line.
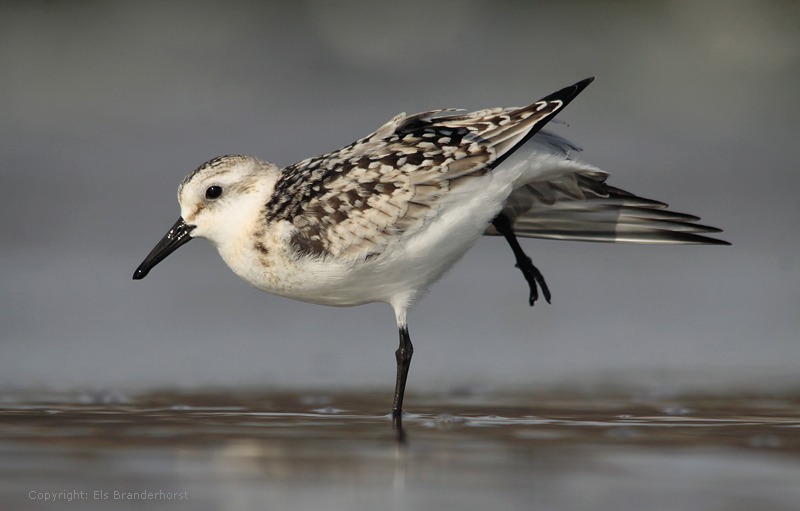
[177, 236]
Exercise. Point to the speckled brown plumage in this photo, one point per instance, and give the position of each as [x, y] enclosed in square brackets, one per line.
[356, 200]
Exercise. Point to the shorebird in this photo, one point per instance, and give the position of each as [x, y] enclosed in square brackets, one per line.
[385, 217]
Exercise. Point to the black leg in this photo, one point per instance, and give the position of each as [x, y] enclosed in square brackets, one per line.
[403, 355]
[524, 263]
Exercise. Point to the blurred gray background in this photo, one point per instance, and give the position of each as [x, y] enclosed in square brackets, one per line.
[105, 106]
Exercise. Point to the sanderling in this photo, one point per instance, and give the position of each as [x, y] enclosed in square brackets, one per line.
[385, 217]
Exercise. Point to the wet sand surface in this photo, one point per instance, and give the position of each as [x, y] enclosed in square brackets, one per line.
[252, 450]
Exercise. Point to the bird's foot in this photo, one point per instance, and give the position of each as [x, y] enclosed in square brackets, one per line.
[534, 277]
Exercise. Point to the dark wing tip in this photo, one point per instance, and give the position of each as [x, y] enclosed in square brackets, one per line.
[714, 241]
[584, 83]
[694, 239]
[564, 96]
[567, 94]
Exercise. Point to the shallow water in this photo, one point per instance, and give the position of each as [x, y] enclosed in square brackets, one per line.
[338, 451]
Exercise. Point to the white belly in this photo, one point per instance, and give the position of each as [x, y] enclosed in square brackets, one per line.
[399, 275]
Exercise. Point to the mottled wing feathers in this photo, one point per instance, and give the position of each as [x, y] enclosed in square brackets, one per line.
[353, 202]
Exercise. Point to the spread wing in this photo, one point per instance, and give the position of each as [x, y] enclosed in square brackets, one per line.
[573, 202]
[356, 201]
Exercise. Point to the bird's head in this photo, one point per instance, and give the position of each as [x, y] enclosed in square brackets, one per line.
[219, 200]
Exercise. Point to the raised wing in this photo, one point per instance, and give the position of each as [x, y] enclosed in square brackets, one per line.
[356, 201]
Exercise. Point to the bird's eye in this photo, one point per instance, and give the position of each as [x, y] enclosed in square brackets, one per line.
[213, 192]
